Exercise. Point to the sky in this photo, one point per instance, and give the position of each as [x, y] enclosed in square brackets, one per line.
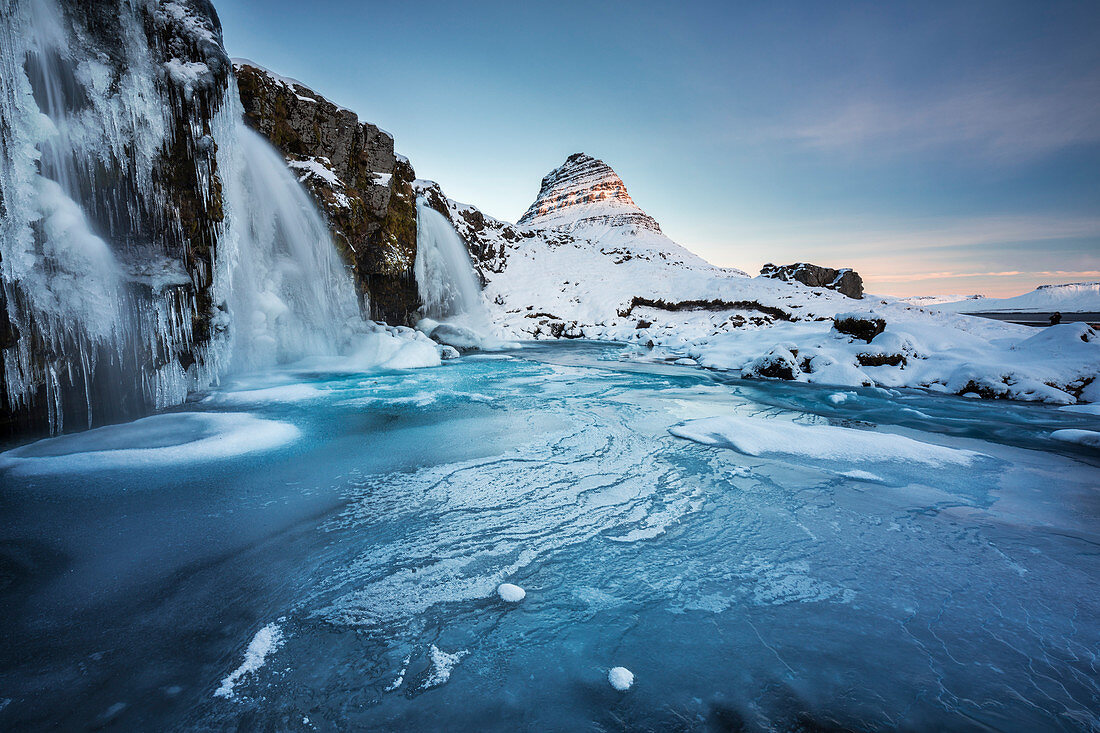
[935, 147]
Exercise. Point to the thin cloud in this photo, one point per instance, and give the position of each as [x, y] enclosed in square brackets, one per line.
[920, 276]
[999, 120]
[908, 235]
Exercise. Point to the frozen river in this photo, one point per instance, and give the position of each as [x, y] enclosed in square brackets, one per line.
[321, 550]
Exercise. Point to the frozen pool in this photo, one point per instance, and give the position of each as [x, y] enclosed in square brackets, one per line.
[318, 551]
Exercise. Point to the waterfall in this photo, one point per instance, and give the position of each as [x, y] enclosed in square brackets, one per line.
[284, 285]
[105, 273]
[448, 286]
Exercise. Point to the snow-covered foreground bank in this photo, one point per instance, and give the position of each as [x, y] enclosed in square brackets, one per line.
[767, 328]
[787, 556]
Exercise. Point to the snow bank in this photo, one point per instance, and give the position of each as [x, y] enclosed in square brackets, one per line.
[156, 441]
[1088, 438]
[774, 437]
[971, 356]
[266, 640]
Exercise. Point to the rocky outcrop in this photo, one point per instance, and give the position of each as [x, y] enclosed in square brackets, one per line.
[584, 192]
[350, 168]
[845, 281]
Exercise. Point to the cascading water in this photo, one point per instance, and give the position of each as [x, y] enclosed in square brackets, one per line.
[286, 291]
[448, 285]
[149, 242]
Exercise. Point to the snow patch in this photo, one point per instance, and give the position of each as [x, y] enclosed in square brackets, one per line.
[266, 640]
[442, 665]
[156, 441]
[511, 593]
[1087, 438]
[620, 678]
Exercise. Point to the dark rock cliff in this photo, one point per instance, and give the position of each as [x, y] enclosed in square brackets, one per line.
[845, 281]
[350, 168]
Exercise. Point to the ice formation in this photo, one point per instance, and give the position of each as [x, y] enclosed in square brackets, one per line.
[103, 285]
[443, 663]
[266, 640]
[158, 440]
[769, 437]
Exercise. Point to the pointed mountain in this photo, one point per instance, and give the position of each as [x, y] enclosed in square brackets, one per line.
[584, 192]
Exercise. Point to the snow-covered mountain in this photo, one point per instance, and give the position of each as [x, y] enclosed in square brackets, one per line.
[586, 261]
[1067, 298]
[929, 300]
[585, 192]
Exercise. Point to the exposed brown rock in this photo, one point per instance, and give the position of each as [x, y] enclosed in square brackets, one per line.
[859, 325]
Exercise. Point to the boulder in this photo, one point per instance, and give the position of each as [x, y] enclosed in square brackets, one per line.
[864, 326]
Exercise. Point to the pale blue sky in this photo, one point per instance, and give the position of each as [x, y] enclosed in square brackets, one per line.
[936, 147]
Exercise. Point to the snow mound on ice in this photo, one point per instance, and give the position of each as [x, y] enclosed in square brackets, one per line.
[620, 678]
[383, 350]
[156, 441]
[763, 437]
[266, 640]
[511, 593]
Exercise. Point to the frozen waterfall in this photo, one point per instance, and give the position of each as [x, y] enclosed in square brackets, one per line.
[116, 296]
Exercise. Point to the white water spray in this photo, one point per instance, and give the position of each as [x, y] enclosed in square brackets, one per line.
[285, 289]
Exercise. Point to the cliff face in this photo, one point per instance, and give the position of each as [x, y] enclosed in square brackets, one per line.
[111, 212]
[350, 168]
